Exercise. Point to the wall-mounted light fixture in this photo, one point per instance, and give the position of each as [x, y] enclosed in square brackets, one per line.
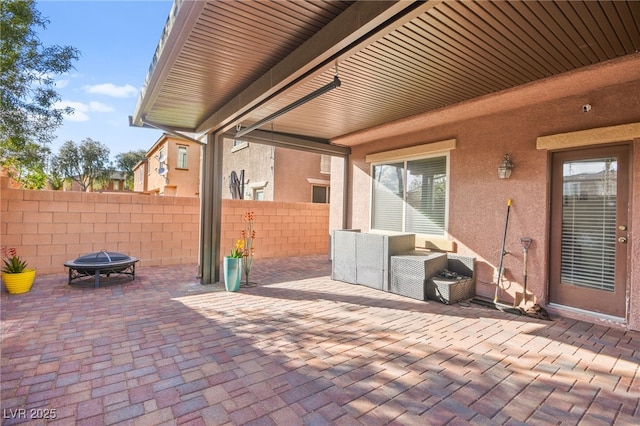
[504, 169]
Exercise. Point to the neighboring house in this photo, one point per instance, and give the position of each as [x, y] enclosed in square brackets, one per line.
[433, 95]
[171, 168]
[272, 173]
[269, 173]
[116, 183]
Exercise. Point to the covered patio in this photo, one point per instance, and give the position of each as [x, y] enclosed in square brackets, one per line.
[419, 103]
[299, 348]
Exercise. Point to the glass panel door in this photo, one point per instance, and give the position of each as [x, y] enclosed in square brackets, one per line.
[588, 229]
[589, 223]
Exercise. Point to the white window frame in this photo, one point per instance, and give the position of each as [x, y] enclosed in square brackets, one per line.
[419, 152]
[186, 157]
[258, 187]
[325, 164]
[237, 145]
[257, 192]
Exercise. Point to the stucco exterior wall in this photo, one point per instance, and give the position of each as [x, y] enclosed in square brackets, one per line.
[257, 160]
[179, 182]
[283, 172]
[478, 199]
[141, 176]
[186, 180]
[155, 182]
[292, 170]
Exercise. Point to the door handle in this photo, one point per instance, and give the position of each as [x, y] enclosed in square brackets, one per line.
[622, 240]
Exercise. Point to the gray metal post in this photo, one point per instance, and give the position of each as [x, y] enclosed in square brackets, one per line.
[211, 210]
[345, 193]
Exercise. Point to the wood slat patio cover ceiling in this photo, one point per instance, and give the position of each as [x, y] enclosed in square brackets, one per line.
[453, 52]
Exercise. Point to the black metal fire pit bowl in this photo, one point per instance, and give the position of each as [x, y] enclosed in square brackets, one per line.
[101, 263]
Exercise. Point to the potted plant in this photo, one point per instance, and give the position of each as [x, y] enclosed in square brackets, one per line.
[15, 274]
[232, 267]
[248, 237]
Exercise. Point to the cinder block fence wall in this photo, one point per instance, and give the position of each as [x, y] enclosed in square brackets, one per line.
[50, 227]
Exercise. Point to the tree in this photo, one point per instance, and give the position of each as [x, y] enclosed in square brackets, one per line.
[27, 96]
[27, 166]
[87, 164]
[126, 162]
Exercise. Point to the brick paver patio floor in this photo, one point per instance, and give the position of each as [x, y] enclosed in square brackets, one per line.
[298, 348]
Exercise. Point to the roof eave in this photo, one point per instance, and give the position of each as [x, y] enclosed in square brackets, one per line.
[180, 22]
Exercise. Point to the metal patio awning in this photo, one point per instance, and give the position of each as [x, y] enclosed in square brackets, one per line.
[221, 64]
[224, 65]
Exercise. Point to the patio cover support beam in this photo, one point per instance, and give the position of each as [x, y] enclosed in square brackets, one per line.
[356, 27]
[321, 91]
[169, 130]
[211, 210]
[301, 143]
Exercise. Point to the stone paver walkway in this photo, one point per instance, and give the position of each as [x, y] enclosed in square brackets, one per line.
[298, 348]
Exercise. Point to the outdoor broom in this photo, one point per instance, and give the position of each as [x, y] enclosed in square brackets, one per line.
[502, 251]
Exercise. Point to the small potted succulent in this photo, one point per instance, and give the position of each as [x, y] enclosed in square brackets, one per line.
[15, 274]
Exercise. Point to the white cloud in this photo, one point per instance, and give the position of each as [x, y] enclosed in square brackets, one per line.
[99, 107]
[109, 89]
[61, 84]
[81, 110]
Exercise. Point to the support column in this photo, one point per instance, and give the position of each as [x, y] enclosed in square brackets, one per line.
[340, 210]
[346, 211]
[211, 210]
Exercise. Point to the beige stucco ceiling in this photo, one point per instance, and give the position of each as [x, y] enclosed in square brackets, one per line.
[224, 63]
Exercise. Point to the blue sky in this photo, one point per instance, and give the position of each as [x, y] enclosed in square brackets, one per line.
[117, 40]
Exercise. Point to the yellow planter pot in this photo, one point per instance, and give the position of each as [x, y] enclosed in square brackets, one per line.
[19, 283]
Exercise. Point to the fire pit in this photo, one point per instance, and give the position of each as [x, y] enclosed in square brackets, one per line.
[101, 263]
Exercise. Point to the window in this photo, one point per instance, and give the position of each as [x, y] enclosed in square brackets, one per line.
[410, 196]
[325, 164]
[258, 190]
[238, 145]
[182, 157]
[320, 194]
